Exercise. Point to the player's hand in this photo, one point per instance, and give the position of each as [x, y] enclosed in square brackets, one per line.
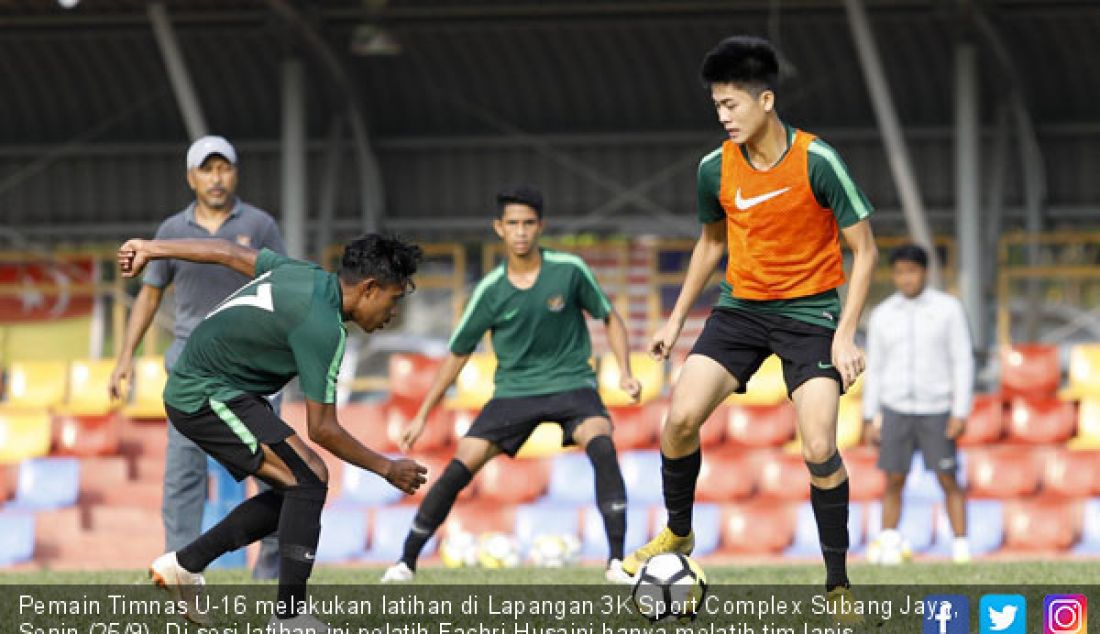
[872, 433]
[848, 360]
[632, 386]
[955, 427]
[410, 433]
[121, 374]
[406, 475]
[660, 346]
[132, 257]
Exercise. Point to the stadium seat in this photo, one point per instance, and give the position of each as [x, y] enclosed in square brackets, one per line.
[513, 481]
[642, 475]
[544, 442]
[1030, 369]
[1088, 424]
[343, 533]
[594, 537]
[436, 463]
[865, 480]
[481, 517]
[1089, 544]
[46, 483]
[986, 422]
[1084, 371]
[782, 476]
[438, 430]
[916, 524]
[766, 387]
[1040, 524]
[1040, 420]
[86, 435]
[984, 528]
[1002, 472]
[757, 527]
[636, 427]
[146, 401]
[474, 386]
[754, 425]
[648, 371]
[368, 421]
[16, 537]
[806, 542]
[725, 475]
[570, 479]
[88, 389]
[533, 520]
[24, 434]
[36, 384]
[411, 375]
[849, 425]
[388, 527]
[360, 486]
[1070, 474]
[922, 484]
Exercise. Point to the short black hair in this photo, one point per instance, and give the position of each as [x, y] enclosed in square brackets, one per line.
[747, 61]
[387, 259]
[522, 194]
[910, 253]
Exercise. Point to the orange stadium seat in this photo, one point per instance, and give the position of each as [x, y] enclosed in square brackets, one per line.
[766, 387]
[1088, 424]
[411, 375]
[36, 384]
[865, 480]
[756, 527]
[1042, 525]
[726, 474]
[1084, 371]
[782, 476]
[637, 427]
[1040, 420]
[88, 394]
[513, 481]
[1070, 474]
[649, 372]
[24, 434]
[760, 425]
[986, 422]
[1032, 369]
[474, 386]
[146, 401]
[86, 435]
[1001, 472]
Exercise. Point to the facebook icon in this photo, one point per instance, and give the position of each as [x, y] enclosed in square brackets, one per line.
[946, 614]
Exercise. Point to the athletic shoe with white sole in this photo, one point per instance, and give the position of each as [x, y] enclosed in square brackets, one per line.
[616, 574]
[183, 585]
[398, 573]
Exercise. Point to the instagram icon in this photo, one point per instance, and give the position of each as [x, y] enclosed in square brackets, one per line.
[1065, 614]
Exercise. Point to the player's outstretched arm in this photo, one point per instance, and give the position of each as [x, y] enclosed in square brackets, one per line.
[141, 316]
[135, 254]
[708, 251]
[619, 340]
[444, 377]
[847, 358]
[326, 431]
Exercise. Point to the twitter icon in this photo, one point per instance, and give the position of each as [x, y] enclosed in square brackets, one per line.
[1003, 614]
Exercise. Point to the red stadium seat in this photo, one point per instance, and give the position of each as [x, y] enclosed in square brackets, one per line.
[1002, 472]
[756, 527]
[1040, 524]
[480, 517]
[636, 427]
[514, 480]
[782, 476]
[1030, 369]
[1070, 474]
[726, 474]
[866, 481]
[86, 435]
[1041, 420]
[411, 374]
[986, 422]
[760, 425]
[437, 432]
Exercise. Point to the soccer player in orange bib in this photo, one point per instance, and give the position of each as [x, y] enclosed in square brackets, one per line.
[774, 198]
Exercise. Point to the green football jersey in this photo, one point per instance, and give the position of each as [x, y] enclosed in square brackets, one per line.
[833, 188]
[286, 322]
[539, 335]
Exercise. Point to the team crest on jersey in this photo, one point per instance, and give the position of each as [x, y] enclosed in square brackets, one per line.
[555, 303]
[244, 240]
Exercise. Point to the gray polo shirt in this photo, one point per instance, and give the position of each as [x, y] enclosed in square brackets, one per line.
[201, 287]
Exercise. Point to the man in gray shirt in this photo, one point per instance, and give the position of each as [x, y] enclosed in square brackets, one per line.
[215, 213]
[917, 392]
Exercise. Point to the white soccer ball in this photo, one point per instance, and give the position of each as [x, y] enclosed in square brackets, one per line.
[554, 551]
[670, 586]
[459, 550]
[498, 550]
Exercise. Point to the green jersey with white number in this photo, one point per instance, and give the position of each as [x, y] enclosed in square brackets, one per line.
[539, 334]
[286, 322]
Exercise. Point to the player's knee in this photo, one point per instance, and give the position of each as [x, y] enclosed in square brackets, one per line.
[682, 423]
[817, 450]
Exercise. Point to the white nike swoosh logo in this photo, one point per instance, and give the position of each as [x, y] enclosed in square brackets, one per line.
[745, 203]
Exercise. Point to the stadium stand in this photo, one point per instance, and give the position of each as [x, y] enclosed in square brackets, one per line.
[474, 386]
[782, 476]
[1089, 543]
[806, 542]
[757, 527]
[87, 393]
[343, 533]
[766, 387]
[1069, 474]
[1084, 371]
[46, 483]
[411, 375]
[649, 372]
[984, 528]
[1001, 472]
[986, 422]
[1040, 420]
[726, 474]
[388, 527]
[513, 481]
[35, 385]
[16, 537]
[758, 425]
[24, 434]
[916, 525]
[363, 487]
[1043, 525]
[437, 432]
[594, 537]
[639, 468]
[567, 471]
[866, 481]
[1088, 424]
[1030, 369]
[533, 520]
[637, 426]
[145, 396]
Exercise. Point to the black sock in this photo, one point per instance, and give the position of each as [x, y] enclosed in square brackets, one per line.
[252, 519]
[679, 476]
[610, 492]
[299, 529]
[434, 509]
[831, 512]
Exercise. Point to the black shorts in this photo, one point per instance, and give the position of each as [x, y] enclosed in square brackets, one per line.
[232, 432]
[740, 340]
[902, 434]
[508, 422]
